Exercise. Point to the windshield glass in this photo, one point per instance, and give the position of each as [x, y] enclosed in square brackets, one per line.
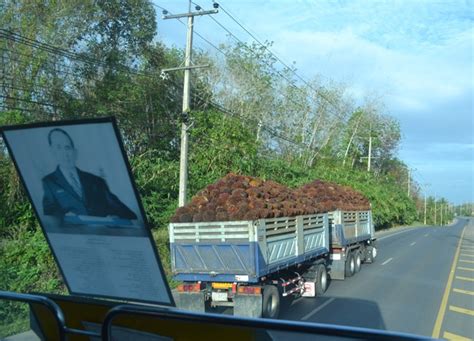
[299, 161]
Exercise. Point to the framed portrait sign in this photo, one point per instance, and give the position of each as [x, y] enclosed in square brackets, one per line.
[79, 181]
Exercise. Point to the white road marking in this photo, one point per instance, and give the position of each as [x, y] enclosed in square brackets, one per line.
[387, 261]
[318, 309]
[412, 243]
[426, 235]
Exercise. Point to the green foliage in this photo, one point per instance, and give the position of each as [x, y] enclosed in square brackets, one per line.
[15, 209]
[163, 246]
[26, 265]
[157, 182]
[19, 325]
[220, 144]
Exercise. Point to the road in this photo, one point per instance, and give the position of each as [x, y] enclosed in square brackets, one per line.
[421, 283]
[410, 287]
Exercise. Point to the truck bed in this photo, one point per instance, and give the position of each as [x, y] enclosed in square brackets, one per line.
[244, 251]
[349, 227]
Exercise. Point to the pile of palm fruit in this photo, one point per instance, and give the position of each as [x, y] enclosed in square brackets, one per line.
[238, 197]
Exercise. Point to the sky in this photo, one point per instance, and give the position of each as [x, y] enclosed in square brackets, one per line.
[418, 56]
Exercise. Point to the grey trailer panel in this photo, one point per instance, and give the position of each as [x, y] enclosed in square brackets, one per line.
[355, 226]
[251, 248]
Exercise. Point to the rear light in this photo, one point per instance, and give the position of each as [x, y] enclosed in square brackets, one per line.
[193, 287]
[249, 290]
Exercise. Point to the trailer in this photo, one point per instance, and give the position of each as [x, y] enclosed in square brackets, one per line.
[249, 265]
[352, 242]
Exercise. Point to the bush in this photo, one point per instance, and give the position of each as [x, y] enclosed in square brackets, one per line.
[26, 265]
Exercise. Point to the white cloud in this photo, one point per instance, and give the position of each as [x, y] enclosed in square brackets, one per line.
[413, 82]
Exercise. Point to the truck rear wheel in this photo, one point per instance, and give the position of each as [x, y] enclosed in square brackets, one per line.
[271, 301]
[358, 261]
[350, 265]
[321, 280]
[371, 254]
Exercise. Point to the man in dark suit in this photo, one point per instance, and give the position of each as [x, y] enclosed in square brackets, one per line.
[69, 191]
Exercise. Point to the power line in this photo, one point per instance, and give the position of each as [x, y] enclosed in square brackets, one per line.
[34, 91]
[17, 38]
[237, 39]
[30, 101]
[273, 132]
[67, 54]
[275, 56]
[8, 107]
[290, 82]
[264, 46]
[279, 73]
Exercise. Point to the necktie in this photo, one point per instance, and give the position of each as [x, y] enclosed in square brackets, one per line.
[75, 184]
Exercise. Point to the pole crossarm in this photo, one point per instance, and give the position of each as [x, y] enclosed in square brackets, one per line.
[189, 14]
[185, 68]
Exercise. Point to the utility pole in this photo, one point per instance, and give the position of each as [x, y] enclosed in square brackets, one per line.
[408, 192]
[369, 156]
[183, 161]
[441, 213]
[435, 209]
[424, 220]
[370, 153]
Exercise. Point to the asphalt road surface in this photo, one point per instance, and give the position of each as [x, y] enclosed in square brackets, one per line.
[421, 282]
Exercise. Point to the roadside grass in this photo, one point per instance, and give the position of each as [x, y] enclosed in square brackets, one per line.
[19, 325]
[161, 238]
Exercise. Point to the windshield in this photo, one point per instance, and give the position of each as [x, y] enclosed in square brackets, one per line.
[300, 161]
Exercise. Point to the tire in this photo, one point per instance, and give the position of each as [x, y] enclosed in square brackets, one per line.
[321, 279]
[358, 261]
[271, 302]
[350, 265]
[371, 254]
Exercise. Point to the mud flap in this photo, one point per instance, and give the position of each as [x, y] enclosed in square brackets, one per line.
[337, 268]
[193, 301]
[248, 305]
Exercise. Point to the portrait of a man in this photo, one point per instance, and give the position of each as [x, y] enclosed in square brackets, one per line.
[70, 191]
[80, 184]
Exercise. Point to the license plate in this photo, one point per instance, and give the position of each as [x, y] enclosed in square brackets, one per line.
[336, 256]
[219, 296]
[217, 285]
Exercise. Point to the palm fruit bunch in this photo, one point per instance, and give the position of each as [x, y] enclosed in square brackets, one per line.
[238, 197]
[329, 196]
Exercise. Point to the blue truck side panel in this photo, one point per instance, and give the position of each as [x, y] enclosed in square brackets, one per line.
[231, 258]
[222, 262]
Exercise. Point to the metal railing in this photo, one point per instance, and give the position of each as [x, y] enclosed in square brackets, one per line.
[52, 307]
[205, 320]
[266, 325]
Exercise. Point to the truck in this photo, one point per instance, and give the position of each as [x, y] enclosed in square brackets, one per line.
[352, 242]
[253, 266]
